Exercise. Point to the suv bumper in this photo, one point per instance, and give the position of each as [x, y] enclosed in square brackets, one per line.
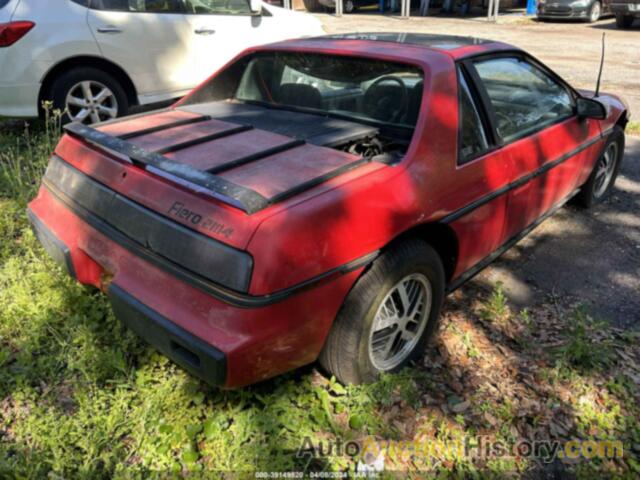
[562, 12]
[632, 9]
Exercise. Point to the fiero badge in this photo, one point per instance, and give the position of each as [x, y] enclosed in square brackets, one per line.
[178, 210]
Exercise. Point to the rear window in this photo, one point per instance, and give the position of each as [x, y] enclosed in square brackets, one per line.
[361, 89]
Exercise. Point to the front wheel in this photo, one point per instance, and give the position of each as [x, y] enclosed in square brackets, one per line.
[388, 316]
[605, 171]
[594, 12]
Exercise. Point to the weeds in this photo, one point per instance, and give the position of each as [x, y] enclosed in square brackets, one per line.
[496, 309]
[23, 158]
[582, 348]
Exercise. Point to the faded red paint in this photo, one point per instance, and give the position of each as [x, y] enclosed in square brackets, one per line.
[327, 226]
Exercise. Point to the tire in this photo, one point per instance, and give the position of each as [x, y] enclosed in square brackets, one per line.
[347, 353]
[624, 21]
[312, 5]
[595, 11]
[594, 191]
[72, 83]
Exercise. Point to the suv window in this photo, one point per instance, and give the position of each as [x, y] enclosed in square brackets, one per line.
[525, 99]
[149, 6]
[218, 7]
[472, 138]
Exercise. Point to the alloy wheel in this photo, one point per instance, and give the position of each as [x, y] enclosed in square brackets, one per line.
[400, 321]
[595, 12]
[605, 169]
[91, 102]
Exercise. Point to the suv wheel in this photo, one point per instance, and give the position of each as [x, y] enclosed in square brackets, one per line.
[388, 316]
[594, 12]
[624, 21]
[605, 171]
[88, 95]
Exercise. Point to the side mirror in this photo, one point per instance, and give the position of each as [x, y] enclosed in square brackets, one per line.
[589, 108]
[255, 6]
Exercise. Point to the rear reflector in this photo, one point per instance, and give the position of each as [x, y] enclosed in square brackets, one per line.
[11, 32]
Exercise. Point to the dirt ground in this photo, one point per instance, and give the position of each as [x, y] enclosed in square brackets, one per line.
[575, 257]
[571, 49]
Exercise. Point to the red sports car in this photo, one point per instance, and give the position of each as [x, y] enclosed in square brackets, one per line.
[316, 199]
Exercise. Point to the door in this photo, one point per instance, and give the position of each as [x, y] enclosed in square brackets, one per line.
[150, 40]
[535, 122]
[220, 29]
[482, 170]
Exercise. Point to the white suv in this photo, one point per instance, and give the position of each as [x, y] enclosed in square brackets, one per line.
[97, 58]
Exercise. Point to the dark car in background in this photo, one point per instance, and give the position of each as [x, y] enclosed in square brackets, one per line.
[625, 11]
[586, 10]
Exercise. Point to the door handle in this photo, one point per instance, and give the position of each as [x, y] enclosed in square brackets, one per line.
[204, 31]
[109, 29]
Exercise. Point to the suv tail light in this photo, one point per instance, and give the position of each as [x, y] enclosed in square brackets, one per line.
[11, 32]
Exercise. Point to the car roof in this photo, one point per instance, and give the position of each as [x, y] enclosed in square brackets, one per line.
[451, 45]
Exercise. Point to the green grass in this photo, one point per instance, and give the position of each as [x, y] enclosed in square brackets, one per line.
[82, 397]
[633, 128]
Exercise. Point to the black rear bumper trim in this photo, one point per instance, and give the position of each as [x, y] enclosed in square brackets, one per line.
[205, 256]
[52, 244]
[219, 292]
[187, 350]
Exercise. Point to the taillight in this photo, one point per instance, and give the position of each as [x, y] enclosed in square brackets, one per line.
[11, 32]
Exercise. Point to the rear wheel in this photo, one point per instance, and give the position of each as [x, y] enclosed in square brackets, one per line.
[624, 21]
[88, 95]
[388, 316]
[605, 171]
[594, 12]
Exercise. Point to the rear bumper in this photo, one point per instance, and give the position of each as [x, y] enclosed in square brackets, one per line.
[225, 344]
[185, 349]
[188, 351]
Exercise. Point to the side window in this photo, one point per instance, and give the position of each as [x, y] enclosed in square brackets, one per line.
[148, 6]
[472, 138]
[84, 3]
[525, 99]
[218, 7]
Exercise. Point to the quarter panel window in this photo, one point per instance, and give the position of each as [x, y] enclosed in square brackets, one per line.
[218, 7]
[144, 6]
[524, 98]
[473, 140]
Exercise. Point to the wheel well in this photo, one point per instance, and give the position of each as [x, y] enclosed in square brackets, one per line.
[87, 61]
[623, 119]
[442, 238]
